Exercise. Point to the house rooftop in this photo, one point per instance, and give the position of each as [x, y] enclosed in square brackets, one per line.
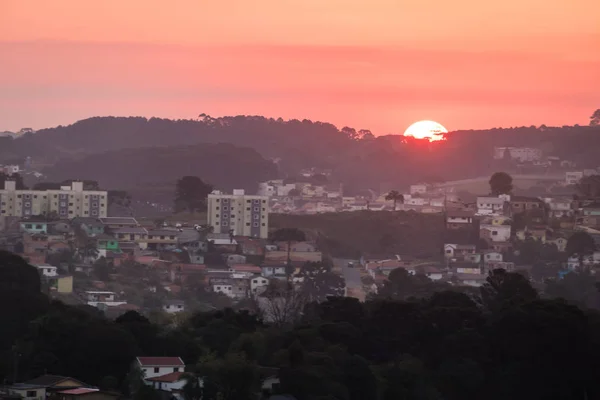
[118, 221]
[163, 232]
[51, 380]
[79, 391]
[160, 361]
[131, 231]
[171, 377]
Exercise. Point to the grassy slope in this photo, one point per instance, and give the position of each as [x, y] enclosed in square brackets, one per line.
[354, 233]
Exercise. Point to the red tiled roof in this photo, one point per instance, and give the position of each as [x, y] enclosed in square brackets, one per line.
[246, 268]
[188, 267]
[171, 377]
[161, 361]
[78, 391]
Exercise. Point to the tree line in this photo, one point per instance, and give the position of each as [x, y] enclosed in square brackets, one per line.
[412, 341]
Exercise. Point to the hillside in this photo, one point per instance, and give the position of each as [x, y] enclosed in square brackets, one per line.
[368, 232]
[357, 159]
[150, 173]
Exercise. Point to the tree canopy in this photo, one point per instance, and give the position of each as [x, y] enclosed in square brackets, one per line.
[191, 194]
[501, 183]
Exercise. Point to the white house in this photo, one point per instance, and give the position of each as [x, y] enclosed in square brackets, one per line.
[225, 288]
[47, 270]
[158, 366]
[559, 207]
[418, 188]
[490, 205]
[258, 282]
[268, 270]
[491, 256]
[497, 233]
[173, 306]
[573, 177]
[452, 250]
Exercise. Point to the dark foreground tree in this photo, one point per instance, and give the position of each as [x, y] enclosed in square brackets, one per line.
[501, 183]
[191, 193]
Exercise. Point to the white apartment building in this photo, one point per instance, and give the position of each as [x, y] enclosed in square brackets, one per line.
[245, 215]
[68, 202]
[573, 177]
[490, 205]
[518, 153]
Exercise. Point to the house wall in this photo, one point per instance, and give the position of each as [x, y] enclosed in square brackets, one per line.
[64, 284]
[498, 233]
[154, 371]
[30, 394]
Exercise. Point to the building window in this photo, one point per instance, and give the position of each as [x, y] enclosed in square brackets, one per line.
[225, 208]
[27, 204]
[156, 370]
[264, 201]
[70, 204]
[31, 393]
[225, 223]
[27, 226]
[256, 209]
[176, 369]
[94, 212]
[217, 223]
[255, 216]
[19, 196]
[35, 196]
[94, 205]
[247, 223]
[232, 215]
[264, 224]
[247, 208]
[218, 207]
[225, 215]
[247, 201]
[255, 224]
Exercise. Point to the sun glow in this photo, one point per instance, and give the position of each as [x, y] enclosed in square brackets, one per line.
[426, 130]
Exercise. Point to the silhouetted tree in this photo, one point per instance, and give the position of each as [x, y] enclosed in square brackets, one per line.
[395, 196]
[501, 183]
[595, 118]
[191, 193]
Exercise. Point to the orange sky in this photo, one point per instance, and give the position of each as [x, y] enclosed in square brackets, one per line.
[377, 64]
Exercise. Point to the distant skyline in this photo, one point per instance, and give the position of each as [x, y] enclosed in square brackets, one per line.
[379, 65]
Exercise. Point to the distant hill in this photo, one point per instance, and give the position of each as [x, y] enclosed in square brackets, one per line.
[150, 172]
[356, 158]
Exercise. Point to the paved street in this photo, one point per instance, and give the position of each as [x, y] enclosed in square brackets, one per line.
[351, 276]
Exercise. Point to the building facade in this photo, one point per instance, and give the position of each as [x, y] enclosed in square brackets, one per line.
[242, 214]
[67, 203]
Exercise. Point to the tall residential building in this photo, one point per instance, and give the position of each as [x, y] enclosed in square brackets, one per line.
[68, 202]
[244, 214]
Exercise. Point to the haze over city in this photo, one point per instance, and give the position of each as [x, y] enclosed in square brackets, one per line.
[379, 65]
[299, 200]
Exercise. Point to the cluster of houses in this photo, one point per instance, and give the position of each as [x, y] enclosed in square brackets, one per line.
[167, 375]
[303, 198]
[482, 236]
[239, 267]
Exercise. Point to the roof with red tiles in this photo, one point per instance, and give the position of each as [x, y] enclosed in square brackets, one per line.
[246, 268]
[78, 391]
[161, 361]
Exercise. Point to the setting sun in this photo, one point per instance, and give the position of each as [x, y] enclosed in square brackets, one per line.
[426, 130]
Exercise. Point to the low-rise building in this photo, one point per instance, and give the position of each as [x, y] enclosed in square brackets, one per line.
[491, 205]
[173, 306]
